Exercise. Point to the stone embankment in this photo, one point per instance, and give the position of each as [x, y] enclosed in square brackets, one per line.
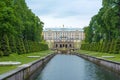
[27, 71]
[114, 66]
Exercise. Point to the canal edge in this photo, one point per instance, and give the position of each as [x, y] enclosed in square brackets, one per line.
[110, 65]
[29, 71]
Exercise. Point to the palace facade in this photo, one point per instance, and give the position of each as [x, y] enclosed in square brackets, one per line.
[66, 37]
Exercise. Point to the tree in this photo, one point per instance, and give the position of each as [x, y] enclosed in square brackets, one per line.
[18, 26]
[104, 27]
[12, 44]
[88, 34]
[5, 46]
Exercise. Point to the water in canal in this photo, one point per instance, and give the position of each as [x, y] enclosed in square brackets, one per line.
[71, 67]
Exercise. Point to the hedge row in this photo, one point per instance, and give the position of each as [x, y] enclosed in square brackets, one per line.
[106, 47]
[20, 46]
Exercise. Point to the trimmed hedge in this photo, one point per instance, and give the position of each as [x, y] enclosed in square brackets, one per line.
[5, 48]
[19, 46]
[107, 47]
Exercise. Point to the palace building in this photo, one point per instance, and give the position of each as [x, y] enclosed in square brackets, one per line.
[63, 37]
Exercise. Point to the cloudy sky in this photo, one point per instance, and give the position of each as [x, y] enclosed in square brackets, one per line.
[70, 13]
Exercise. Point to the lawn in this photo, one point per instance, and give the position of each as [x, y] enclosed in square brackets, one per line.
[116, 57]
[21, 58]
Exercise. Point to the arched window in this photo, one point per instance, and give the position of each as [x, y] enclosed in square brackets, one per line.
[60, 45]
[66, 45]
[63, 45]
[56, 45]
[70, 45]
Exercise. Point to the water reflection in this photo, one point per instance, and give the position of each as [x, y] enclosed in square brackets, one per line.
[71, 67]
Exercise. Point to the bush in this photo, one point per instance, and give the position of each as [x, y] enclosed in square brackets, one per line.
[20, 46]
[1, 53]
[103, 47]
[5, 46]
[107, 47]
[27, 48]
[112, 43]
[116, 48]
[12, 43]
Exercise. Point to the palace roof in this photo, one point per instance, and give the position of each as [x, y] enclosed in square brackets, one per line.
[63, 29]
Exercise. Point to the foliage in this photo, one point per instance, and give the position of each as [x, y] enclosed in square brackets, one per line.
[12, 44]
[107, 47]
[5, 46]
[104, 28]
[19, 26]
[1, 53]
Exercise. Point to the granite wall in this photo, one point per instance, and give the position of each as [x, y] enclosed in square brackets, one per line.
[27, 71]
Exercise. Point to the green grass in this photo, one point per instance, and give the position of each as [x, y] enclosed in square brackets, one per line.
[21, 58]
[116, 57]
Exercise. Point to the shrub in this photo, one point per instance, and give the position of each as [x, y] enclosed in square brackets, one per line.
[116, 47]
[1, 53]
[112, 43]
[5, 46]
[20, 46]
[12, 43]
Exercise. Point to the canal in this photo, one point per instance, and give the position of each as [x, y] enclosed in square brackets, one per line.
[71, 67]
